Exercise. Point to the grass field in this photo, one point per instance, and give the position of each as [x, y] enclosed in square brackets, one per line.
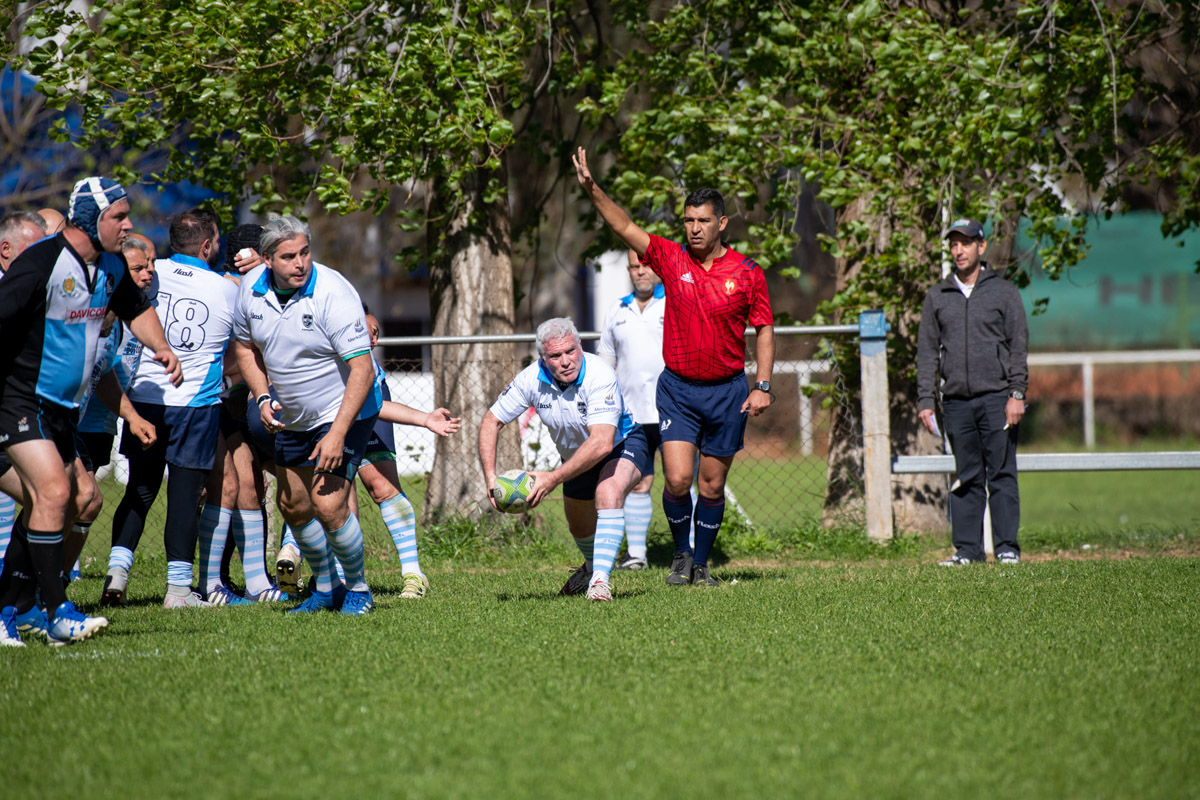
[832, 667]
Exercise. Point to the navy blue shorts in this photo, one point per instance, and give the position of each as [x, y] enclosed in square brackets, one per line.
[292, 448]
[187, 437]
[98, 447]
[706, 414]
[258, 437]
[635, 448]
[653, 445]
[382, 444]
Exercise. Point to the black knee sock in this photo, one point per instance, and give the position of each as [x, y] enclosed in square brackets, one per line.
[129, 520]
[182, 526]
[46, 555]
[18, 585]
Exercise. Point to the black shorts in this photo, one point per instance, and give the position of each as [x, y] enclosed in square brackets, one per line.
[27, 419]
[98, 449]
[634, 447]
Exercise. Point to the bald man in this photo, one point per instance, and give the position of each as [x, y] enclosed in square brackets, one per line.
[55, 221]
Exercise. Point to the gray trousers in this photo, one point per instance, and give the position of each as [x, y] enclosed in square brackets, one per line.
[985, 456]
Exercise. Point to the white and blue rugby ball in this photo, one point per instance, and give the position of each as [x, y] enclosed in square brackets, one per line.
[512, 491]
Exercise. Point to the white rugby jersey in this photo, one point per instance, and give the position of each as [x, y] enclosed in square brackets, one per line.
[195, 306]
[634, 338]
[593, 399]
[120, 354]
[305, 343]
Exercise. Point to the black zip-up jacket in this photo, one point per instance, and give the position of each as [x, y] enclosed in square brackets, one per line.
[977, 345]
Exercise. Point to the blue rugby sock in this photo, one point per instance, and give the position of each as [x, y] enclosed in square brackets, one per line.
[679, 517]
[610, 523]
[310, 538]
[401, 522]
[347, 544]
[709, 514]
[638, 510]
[250, 535]
[8, 515]
[214, 532]
[586, 546]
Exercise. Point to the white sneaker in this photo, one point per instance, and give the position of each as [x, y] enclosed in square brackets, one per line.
[287, 569]
[189, 600]
[599, 591]
[9, 637]
[1009, 557]
[956, 561]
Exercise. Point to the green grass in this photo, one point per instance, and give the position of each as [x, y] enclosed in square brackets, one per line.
[1055, 679]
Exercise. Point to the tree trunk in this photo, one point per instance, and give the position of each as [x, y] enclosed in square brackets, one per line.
[471, 294]
[918, 501]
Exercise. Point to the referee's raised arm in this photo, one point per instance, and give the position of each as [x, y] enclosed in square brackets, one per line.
[614, 216]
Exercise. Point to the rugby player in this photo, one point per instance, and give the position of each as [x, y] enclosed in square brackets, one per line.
[603, 453]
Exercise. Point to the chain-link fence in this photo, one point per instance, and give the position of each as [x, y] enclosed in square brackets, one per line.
[777, 482]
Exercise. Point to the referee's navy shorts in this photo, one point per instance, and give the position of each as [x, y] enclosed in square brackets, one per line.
[187, 437]
[293, 448]
[634, 447]
[705, 413]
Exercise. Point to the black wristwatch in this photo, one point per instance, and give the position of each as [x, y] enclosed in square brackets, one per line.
[1017, 394]
[763, 386]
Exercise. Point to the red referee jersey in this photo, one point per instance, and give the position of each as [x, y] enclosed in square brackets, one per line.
[704, 334]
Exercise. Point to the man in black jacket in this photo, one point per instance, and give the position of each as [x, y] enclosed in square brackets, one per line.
[973, 336]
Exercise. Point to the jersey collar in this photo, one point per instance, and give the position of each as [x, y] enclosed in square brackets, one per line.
[190, 261]
[660, 292]
[263, 284]
[545, 377]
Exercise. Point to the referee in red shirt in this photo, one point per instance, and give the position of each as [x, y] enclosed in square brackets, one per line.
[703, 400]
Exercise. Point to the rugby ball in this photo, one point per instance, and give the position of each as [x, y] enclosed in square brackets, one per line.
[512, 490]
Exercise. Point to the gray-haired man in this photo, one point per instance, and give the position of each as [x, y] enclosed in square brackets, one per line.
[973, 336]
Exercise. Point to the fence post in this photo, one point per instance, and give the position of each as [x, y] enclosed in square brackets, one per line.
[877, 434]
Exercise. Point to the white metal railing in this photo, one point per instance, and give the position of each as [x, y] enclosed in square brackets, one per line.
[1087, 362]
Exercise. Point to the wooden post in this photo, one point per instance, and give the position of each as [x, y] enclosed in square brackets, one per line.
[877, 429]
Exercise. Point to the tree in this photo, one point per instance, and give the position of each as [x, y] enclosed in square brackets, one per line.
[337, 106]
[902, 116]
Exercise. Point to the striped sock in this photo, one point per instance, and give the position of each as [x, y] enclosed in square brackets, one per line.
[310, 538]
[288, 538]
[638, 510]
[120, 558]
[214, 532]
[586, 546]
[8, 515]
[610, 525]
[250, 534]
[339, 570]
[347, 544]
[679, 518]
[692, 533]
[401, 522]
[709, 514]
[179, 573]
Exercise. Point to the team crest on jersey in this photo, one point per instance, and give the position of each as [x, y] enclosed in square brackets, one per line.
[610, 400]
[68, 285]
[730, 286]
[358, 325]
[109, 284]
[582, 407]
[306, 321]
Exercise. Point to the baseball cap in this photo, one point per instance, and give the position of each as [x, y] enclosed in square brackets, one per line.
[89, 199]
[967, 227]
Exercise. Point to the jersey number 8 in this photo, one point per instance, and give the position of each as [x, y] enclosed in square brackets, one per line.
[185, 322]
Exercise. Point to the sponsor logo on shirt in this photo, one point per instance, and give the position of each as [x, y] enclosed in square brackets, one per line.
[358, 324]
[184, 272]
[609, 400]
[256, 316]
[84, 314]
[687, 278]
[3, 437]
[506, 388]
[306, 321]
[544, 404]
[730, 286]
[620, 322]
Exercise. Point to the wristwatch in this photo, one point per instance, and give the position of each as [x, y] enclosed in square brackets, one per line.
[1017, 394]
[763, 386]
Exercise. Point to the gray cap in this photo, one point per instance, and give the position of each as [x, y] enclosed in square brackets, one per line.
[967, 227]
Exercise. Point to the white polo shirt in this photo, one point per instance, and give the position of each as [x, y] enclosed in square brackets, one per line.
[593, 399]
[305, 343]
[195, 306]
[634, 337]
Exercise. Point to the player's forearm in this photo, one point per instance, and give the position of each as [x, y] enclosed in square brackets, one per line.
[147, 329]
[358, 385]
[254, 371]
[108, 389]
[489, 434]
[764, 352]
[400, 414]
[598, 445]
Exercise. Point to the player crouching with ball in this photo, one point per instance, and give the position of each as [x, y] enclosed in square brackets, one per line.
[604, 454]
